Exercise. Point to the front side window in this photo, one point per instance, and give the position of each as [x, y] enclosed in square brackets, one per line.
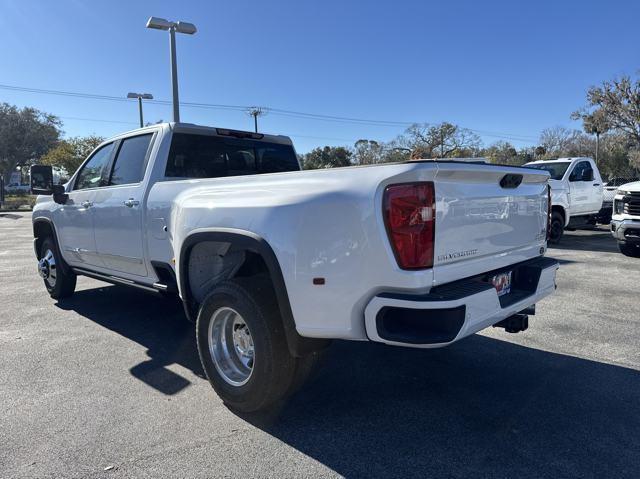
[130, 162]
[203, 156]
[90, 176]
[582, 172]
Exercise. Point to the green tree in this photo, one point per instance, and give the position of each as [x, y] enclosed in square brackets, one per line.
[25, 135]
[444, 140]
[327, 157]
[368, 152]
[618, 102]
[593, 123]
[617, 156]
[69, 154]
[502, 152]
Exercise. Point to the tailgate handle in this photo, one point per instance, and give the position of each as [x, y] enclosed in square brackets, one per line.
[511, 180]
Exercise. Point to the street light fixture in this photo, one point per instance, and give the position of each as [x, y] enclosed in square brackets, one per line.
[140, 97]
[173, 27]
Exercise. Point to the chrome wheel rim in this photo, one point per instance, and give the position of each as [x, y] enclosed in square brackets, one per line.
[47, 268]
[231, 346]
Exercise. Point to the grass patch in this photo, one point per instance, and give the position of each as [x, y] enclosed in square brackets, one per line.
[18, 202]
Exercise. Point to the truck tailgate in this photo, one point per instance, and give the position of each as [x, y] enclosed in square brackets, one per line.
[487, 217]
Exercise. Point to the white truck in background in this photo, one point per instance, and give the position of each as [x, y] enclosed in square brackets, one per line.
[625, 222]
[609, 192]
[272, 262]
[576, 193]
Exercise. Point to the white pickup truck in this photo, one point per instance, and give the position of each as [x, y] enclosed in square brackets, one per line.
[625, 222]
[272, 262]
[576, 193]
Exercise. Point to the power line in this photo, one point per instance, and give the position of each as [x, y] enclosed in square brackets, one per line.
[99, 120]
[275, 111]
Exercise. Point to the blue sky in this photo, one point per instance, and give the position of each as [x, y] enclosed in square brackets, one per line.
[505, 67]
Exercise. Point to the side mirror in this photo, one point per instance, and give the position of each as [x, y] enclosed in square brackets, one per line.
[42, 184]
[41, 180]
[59, 194]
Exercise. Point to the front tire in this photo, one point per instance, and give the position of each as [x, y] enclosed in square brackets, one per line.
[632, 250]
[59, 281]
[242, 345]
[556, 228]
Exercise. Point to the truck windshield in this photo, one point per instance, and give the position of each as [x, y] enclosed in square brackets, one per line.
[206, 156]
[557, 169]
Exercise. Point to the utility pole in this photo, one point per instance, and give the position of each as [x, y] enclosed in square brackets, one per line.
[255, 112]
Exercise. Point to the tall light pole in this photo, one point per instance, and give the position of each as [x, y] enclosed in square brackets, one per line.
[255, 112]
[173, 27]
[140, 97]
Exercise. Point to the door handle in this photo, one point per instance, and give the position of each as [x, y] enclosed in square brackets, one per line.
[131, 203]
[596, 184]
[86, 204]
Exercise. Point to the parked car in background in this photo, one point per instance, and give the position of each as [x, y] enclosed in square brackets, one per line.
[609, 192]
[576, 193]
[625, 222]
[271, 262]
[17, 188]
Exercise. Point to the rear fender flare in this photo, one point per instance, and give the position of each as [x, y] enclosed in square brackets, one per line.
[245, 240]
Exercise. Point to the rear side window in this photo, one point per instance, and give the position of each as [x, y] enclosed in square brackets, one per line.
[202, 156]
[130, 161]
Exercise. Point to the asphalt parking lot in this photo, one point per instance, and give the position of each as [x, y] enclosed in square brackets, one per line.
[108, 384]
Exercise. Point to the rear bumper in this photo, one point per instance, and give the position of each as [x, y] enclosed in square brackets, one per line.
[627, 231]
[454, 311]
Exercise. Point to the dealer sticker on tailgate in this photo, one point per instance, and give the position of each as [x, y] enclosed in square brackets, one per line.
[502, 283]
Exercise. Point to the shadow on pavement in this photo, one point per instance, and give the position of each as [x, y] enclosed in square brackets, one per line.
[154, 322]
[598, 239]
[481, 408]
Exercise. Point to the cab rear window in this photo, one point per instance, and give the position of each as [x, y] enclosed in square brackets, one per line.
[204, 156]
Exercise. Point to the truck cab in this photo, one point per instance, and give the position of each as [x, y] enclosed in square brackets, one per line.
[576, 192]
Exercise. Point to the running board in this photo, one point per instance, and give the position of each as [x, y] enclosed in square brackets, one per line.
[117, 280]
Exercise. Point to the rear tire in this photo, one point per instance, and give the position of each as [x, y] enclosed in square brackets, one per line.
[243, 348]
[59, 281]
[556, 228]
[632, 250]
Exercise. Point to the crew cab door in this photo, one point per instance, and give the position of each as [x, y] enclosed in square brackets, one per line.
[118, 208]
[581, 189]
[74, 221]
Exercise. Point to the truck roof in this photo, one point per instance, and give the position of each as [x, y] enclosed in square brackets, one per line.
[215, 131]
[556, 160]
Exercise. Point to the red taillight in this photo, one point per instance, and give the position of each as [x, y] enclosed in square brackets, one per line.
[548, 211]
[409, 213]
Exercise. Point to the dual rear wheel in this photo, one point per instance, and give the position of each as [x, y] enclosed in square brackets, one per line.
[243, 348]
[239, 333]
